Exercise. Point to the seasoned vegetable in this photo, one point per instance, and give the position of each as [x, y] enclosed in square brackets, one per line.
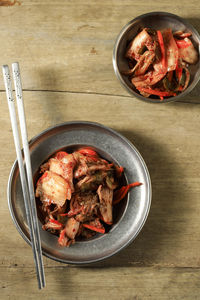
[159, 61]
[89, 183]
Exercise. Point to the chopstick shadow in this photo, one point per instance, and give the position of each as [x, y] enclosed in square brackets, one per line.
[194, 22]
[149, 246]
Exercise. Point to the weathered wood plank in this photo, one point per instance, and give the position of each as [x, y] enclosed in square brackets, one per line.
[91, 283]
[167, 137]
[67, 45]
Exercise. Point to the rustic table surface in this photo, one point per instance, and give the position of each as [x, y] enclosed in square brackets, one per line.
[65, 52]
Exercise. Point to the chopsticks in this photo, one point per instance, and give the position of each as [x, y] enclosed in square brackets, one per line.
[25, 171]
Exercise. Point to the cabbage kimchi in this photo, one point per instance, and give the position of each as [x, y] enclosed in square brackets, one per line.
[158, 62]
[77, 192]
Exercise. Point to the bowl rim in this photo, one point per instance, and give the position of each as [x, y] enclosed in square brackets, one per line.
[119, 76]
[149, 193]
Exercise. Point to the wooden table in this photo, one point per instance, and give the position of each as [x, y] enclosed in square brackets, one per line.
[65, 52]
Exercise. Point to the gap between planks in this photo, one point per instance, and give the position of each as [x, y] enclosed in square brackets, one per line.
[139, 266]
[93, 93]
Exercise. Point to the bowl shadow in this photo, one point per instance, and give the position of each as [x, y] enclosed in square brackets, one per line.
[194, 95]
[149, 246]
[195, 22]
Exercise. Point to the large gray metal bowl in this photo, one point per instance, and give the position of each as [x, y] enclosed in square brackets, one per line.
[129, 216]
[155, 20]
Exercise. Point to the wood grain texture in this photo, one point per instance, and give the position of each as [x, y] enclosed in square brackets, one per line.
[65, 53]
[95, 284]
[167, 138]
[67, 45]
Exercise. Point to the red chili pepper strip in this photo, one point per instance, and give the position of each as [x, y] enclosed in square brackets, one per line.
[183, 44]
[72, 213]
[60, 155]
[162, 48]
[121, 193]
[156, 92]
[61, 236]
[87, 151]
[69, 214]
[63, 215]
[91, 227]
[55, 222]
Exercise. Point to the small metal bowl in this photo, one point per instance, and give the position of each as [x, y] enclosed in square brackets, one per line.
[129, 215]
[157, 21]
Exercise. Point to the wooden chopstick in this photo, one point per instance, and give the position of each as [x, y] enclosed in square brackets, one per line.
[28, 189]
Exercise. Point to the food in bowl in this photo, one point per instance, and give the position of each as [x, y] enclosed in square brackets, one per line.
[129, 216]
[77, 192]
[158, 62]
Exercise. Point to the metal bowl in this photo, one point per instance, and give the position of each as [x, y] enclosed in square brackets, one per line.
[155, 20]
[129, 216]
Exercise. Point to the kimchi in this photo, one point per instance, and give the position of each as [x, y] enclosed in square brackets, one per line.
[77, 192]
[158, 62]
